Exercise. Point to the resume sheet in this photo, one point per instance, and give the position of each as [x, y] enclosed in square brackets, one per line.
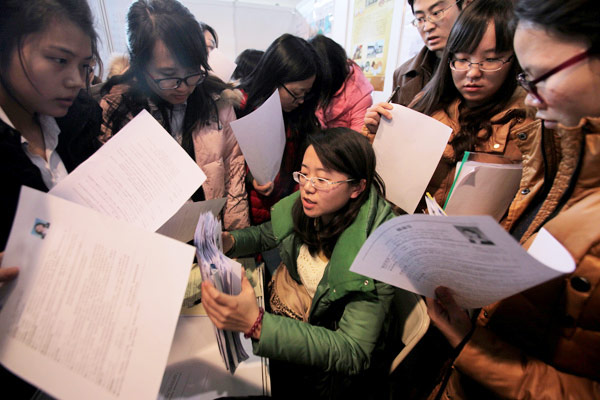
[472, 256]
[408, 149]
[261, 136]
[141, 175]
[94, 309]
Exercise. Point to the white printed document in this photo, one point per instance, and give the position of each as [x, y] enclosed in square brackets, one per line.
[408, 149]
[261, 136]
[93, 311]
[472, 256]
[141, 175]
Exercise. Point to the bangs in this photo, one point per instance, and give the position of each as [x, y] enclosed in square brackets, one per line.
[184, 41]
[467, 32]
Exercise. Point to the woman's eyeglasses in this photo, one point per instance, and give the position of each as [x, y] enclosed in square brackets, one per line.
[489, 65]
[304, 97]
[173, 83]
[529, 85]
[317, 183]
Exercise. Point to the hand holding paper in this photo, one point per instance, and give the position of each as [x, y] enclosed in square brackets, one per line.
[408, 149]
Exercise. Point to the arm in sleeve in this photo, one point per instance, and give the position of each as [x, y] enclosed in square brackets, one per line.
[347, 349]
[252, 240]
[236, 214]
[358, 111]
[507, 371]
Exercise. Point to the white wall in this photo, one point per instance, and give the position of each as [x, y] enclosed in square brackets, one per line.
[239, 25]
[255, 24]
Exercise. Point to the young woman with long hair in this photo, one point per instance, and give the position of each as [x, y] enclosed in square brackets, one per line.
[345, 92]
[325, 322]
[545, 342]
[290, 66]
[168, 76]
[48, 124]
[474, 91]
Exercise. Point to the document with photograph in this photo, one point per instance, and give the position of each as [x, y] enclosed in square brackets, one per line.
[94, 308]
[261, 136]
[408, 149]
[141, 175]
[473, 256]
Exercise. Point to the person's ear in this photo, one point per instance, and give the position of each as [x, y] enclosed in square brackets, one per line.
[358, 189]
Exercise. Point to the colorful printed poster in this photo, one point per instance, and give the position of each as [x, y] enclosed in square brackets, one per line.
[371, 28]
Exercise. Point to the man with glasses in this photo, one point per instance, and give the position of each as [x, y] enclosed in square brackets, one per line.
[434, 20]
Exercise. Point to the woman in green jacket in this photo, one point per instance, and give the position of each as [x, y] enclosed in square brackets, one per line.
[325, 331]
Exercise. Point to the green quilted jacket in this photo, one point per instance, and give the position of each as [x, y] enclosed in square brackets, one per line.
[348, 310]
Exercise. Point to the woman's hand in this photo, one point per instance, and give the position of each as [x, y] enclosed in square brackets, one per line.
[265, 189]
[232, 313]
[448, 317]
[7, 273]
[374, 113]
[227, 240]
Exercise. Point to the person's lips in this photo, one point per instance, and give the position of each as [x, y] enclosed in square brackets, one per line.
[433, 40]
[65, 101]
[308, 204]
[472, 88]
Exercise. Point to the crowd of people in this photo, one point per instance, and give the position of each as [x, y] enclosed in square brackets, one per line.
[514, 78]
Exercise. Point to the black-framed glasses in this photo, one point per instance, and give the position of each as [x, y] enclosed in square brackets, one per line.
[317, 183]
[173, 83]
[305, 96]
[434, 17]
[529, 85]
[489, 65]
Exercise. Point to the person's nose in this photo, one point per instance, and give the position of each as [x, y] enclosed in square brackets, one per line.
[533, 101]
[76, 77]
[474, 72]
[428, 26]
[308, 186]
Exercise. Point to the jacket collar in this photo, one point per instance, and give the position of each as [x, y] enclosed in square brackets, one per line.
[372, 214]
[425, 60]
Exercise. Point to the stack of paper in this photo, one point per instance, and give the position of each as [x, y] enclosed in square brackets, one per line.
[225, 274]
[485, 184]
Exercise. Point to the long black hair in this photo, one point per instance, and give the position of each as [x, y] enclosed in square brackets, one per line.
[150, 21]
[335, 67]
[288, 59]
[350, 153]
[19, 19]
[246, 62]
[464, 37]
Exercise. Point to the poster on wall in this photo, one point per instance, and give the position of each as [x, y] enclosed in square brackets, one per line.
[318, 15]
[371, 28]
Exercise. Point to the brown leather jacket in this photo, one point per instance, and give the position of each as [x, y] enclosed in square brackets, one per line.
[413, 75]
[544, 343]
[503, 141]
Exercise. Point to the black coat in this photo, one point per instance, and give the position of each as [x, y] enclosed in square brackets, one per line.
[78, 139]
